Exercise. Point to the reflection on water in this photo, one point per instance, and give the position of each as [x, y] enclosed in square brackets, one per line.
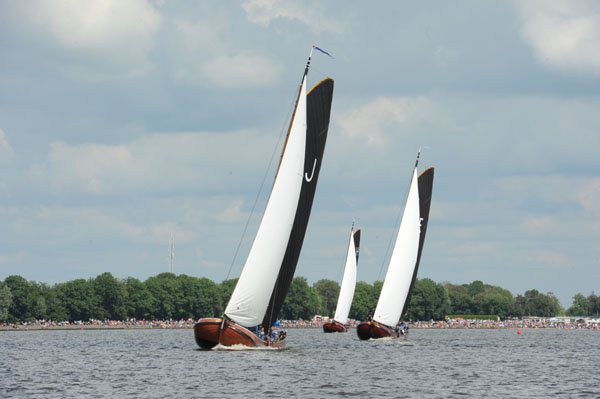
[432, 363]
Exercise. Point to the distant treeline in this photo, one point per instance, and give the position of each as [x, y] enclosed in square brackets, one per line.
[169, 296]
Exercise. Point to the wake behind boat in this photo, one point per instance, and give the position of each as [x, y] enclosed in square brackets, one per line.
[268, 271]
[338, 323]
[404, 262]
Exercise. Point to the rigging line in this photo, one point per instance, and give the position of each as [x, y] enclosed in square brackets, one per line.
[282, 130]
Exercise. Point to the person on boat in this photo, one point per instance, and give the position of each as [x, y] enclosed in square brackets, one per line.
[261, 332]
[403, 327]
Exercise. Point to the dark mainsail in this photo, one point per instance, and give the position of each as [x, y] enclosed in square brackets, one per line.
[357, 243]
[425, 183]
[318, 110]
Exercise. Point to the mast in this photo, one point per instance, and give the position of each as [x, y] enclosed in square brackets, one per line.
[403, 260]
[349, 280]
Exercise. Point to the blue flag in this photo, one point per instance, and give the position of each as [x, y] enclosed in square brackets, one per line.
[323, 51]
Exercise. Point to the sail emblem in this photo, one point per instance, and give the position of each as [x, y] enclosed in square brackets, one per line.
[308, 179]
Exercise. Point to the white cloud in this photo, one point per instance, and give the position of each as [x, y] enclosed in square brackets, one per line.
[6, 151]
[564, 34]
[589, 195]
[242, 71]
[373, 121]
[539, 224]
[155, 163]
[232, 213]
[74, 223]
[550, 258]
[205, 55]
[310, 13]
[100, 34]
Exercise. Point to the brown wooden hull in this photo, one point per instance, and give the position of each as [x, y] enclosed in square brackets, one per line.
[334, 326]
[374, 330]
[211, 332]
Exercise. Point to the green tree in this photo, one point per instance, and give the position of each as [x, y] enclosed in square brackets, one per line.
[140, 302]
[166, 290]
[78, 299]
[329, 291]
[535, 303]
[110, 294]
[201, 298]
[580, 307]
[5, 301]
[226, 287]
[594, 305]
[429, 301]
[461, 302]
[302, 301]
[55, 308]
[28, 302]
[362, 303]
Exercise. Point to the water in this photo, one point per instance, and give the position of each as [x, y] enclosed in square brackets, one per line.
[433, 363]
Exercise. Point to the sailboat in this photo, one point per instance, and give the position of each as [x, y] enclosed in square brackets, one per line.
[404, 262]
[269, 268]
[338, 323]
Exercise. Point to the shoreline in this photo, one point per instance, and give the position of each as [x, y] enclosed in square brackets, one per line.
[189, 327]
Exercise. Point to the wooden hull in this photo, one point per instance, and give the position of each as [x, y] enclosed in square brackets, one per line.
[334, 326]
[374, 330]
[211, 332]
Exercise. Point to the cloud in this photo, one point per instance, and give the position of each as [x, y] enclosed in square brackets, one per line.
[159, 163]
[589, 195]
[242, 71]
[539, 225]
[564, 35]
[373, 121]
[73, 223]
[6, 151]
[309, 13]
[232, 213]
[205, 55]
[550, 258]
[102, 36]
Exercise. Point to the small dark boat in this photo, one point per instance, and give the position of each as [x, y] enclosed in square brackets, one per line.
[334, 326]
[338, 323]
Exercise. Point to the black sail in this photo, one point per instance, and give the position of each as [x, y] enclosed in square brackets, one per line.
[357, 243]
[425, 183]
[318, 110]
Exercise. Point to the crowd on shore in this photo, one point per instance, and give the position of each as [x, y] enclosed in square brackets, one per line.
[98, 324]
[316, 322]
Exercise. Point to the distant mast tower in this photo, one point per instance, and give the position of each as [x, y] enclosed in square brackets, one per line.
[171, 252]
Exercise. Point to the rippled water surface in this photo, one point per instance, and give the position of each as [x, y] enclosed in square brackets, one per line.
[433, 363]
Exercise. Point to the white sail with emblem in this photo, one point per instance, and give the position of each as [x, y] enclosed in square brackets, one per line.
[403, 261]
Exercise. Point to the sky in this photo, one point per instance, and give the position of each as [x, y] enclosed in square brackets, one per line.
[124, 122]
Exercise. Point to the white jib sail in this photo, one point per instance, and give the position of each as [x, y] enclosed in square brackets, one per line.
[348, 284]
[251, 295]
[403, 261]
